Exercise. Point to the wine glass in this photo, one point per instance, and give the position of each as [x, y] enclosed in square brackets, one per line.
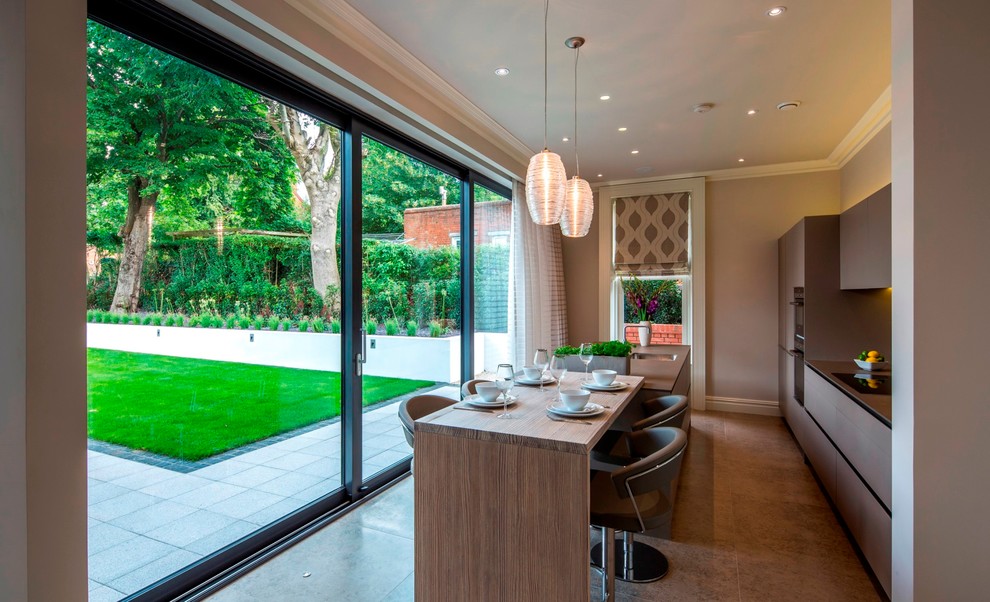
[505, 379]
[585, 355]
[541, 360]
[558, 369]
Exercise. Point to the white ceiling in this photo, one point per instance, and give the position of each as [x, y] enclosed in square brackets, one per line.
[658, 58]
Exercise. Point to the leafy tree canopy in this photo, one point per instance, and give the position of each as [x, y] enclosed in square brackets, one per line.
[200, 141]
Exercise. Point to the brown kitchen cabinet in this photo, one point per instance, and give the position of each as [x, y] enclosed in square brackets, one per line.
[864, 242]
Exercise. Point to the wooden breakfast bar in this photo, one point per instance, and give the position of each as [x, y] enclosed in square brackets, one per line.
[502, 506]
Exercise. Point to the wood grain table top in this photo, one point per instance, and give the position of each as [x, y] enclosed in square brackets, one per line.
[530, 425]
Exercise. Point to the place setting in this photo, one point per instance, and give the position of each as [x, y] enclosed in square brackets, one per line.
[603, 381]
[571, 405]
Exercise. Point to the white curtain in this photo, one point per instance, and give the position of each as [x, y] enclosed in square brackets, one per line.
[537, 304]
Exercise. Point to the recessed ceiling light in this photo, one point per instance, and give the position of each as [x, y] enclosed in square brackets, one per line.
[635, 152]
[604, 97]
[776, 11]
[623, 129]
[789, 105]
[502, 71]
[600, 175]
[703, 107]
[741, 159]
[752, 112]
[565, 139]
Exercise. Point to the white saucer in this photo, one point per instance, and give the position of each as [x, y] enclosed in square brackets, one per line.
[477, 401]
[615, 386]
[522, 380]
[592, 409]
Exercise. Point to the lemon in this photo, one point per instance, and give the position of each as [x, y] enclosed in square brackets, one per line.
[871, 360]
[873, 354]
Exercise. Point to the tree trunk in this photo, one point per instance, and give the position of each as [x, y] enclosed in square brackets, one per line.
[319, 170]
[136, 234]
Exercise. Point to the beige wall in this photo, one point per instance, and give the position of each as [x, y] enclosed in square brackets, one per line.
[581, 283]
[941, 451]
[42, 338]
[868, 171]
[745, 219]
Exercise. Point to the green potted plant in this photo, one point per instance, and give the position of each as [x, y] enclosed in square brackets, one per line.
[608, 355]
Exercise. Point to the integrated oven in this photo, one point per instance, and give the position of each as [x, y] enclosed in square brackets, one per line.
[798, 350]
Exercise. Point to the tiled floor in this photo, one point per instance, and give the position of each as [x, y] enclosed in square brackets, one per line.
[146, 522]
[750, 524]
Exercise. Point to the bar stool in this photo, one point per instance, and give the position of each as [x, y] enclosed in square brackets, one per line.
[639, 562]
[631, 497]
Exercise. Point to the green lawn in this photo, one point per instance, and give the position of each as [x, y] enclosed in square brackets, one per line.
[192, 409]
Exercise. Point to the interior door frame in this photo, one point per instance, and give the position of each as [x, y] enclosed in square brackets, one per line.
[607, 296]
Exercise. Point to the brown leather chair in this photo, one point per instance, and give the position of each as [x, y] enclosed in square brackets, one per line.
[468, 388]
[417, 407]
[632, 498]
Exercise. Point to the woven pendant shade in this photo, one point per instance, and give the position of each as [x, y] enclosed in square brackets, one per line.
[545, 188]
[579, 208]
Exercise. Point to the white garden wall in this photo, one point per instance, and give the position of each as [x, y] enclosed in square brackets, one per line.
[422, 358]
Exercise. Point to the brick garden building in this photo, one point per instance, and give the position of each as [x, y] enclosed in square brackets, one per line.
[426, 227]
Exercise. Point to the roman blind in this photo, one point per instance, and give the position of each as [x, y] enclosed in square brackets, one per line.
[651, 234]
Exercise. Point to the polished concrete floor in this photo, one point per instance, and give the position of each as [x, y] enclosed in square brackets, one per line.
[750, 524]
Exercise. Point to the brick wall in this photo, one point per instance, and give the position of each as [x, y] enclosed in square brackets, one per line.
[663, 334]
[427, 227]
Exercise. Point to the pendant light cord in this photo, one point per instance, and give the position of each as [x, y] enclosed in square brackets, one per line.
[546, 18]
[577, 162]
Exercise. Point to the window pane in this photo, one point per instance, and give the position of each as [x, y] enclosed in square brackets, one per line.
[213, 364]
[657, 300]
[492, 226]
[411, 234]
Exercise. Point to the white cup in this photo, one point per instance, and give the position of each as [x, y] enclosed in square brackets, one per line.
[603, 378]
[532, 372]
[575, 400]
[487, 391]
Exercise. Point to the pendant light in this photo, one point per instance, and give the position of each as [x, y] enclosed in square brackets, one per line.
[545, 177]
[579, 203]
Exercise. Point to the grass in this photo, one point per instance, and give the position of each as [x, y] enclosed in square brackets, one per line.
[192, 409]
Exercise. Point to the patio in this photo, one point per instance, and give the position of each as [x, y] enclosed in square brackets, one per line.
[146, 522]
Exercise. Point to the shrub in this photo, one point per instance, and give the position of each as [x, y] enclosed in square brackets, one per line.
[273, 322]
[90, 315]
[411, 328]
[170, 320]
[371, 327]
[243, 322]
[156, 319]
[391, 327]
[319, 325]
[194, 321]
[146, 320]
[436, 329]
[258, 323]
[335, 326]
[231, 321]
[303, 325]
[287, 325]
[115, 318]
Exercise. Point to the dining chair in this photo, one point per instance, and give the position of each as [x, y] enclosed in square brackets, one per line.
[638, 562]
[632, 497]
[416, 407]
[468, 388]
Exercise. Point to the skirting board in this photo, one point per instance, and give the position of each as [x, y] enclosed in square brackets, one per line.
[743, 406]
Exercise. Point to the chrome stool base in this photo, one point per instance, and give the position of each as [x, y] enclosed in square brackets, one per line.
[635, 562]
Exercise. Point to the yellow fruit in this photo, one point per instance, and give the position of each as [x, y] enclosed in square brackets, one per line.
[873, 354]
[871, 359]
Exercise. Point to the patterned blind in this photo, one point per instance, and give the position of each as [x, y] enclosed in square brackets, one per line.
[651, 234]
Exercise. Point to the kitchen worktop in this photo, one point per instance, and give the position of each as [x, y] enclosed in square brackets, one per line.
[879, 405]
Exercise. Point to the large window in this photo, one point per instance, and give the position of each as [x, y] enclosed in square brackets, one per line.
[492, 224]
[253, 321]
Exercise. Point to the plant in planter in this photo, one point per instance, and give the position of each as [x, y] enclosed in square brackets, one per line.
[391, 327]
[645, 301]
[608, 355]
[411, 328]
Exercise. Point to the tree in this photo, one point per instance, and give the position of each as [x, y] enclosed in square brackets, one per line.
[393, 182]
[315, 146]
[166, 136]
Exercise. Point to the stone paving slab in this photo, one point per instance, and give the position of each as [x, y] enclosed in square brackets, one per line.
[148, 520]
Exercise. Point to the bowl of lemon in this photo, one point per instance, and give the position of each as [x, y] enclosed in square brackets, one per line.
[872, 360]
